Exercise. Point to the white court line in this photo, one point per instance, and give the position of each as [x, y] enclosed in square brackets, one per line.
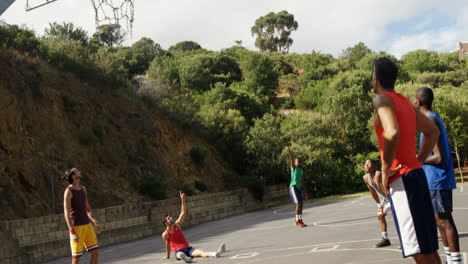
[465, 258]
[124, 246]
[355, 201]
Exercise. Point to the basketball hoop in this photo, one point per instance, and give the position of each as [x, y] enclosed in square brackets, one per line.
[114, 12]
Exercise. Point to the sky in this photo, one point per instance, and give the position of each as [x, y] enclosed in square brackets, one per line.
[393, 26]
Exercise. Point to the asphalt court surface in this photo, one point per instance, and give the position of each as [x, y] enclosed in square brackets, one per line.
[342, 231]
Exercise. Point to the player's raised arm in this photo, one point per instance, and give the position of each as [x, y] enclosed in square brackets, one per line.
[291, 157]
[183, 210]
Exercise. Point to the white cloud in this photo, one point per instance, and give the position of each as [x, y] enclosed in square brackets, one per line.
[441, 40]
[327, 26]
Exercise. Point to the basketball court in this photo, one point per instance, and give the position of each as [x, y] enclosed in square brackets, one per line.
[342, 231]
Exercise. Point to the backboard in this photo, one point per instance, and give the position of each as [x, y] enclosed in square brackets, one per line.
[33, 4]
[4, 4]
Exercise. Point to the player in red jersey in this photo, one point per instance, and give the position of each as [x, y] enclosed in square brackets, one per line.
[175, 239]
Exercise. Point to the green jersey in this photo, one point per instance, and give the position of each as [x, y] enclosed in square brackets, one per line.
[296, 177]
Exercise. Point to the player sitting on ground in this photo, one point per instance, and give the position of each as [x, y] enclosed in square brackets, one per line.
[175, 239]
[372, 179]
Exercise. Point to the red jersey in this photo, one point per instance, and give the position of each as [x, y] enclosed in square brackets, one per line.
[177, 239]
[406, 151]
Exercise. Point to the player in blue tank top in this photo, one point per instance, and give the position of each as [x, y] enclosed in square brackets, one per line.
[440, 174]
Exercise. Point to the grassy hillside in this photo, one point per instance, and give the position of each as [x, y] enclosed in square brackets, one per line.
[51, 120]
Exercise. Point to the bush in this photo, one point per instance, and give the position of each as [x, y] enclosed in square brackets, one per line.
[87, 137]
[200, 185]
[198, 154]
[187, 188]
[154, 186]
[255, 187]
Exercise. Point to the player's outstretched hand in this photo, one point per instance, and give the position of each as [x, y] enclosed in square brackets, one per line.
[182, 195]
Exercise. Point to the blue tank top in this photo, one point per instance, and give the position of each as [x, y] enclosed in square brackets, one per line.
[440, 176]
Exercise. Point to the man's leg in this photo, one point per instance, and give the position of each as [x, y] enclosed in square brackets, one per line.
[200, 253]
[299, 209]
[448, 232]
[429, 258]
[383, 229]
[94, 256]
[76, 260]
[181, 256]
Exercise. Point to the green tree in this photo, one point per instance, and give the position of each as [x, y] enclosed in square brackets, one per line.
[165, 69]
[273, 31]
[264, 146]
[109, 35]
[356, 52]
[184, 46]
[67, 32]
[143, 53]
[259, 74]
[351, 109]
[421, 61]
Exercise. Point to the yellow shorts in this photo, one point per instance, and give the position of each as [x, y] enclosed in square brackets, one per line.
[87, 237]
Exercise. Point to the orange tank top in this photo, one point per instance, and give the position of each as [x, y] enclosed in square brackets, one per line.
[406, 151]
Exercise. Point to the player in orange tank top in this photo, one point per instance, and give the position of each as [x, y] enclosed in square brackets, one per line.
[403, 180]
[175, 239]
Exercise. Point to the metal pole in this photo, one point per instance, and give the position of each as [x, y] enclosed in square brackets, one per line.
[52, 194]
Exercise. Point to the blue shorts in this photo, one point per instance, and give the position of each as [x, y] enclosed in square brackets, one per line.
[187, 251]
[296, 194]
[413, 213]
[442, 201]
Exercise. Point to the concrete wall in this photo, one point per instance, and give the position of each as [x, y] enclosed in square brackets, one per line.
[42, 239]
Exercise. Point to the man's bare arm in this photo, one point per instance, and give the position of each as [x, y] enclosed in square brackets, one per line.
[431, 134]
[90, 213]
[183, 210]
[67, 211]
[372, 191]
[438, 155]
[291, 157]
[165, 237]
[386, 112]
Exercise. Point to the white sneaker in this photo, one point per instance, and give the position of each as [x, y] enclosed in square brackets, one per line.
[220, 250]
[186, 258]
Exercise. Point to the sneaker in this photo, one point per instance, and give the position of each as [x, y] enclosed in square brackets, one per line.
[220, 250]
[186, 258]
[383, 243]
[300, 223]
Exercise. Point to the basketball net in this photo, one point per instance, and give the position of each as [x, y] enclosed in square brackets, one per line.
[114, 12]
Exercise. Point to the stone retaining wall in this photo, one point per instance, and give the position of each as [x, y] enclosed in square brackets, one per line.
[42, 239]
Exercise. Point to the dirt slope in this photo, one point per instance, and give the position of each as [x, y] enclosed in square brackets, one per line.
[50, 120]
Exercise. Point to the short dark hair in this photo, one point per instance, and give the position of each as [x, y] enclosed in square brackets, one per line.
[386, 71]
[425, 96]
[69, 175]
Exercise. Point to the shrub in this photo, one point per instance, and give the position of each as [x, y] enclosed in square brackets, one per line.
[198, 154]
[87, 137]
[188, 189]
[200, 185]
[255, 187]
[154, 186]
[69, 103]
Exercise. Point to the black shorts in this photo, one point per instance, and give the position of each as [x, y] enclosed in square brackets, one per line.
[187, 251]
[442, 201]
